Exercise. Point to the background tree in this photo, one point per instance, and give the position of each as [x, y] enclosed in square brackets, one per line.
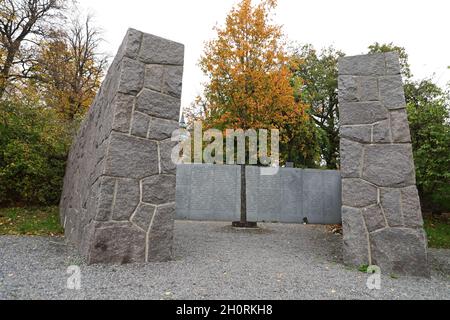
[38, 116]
[404, 58]
[318, 74]
[23, 23]
[249, 80]
[70, 68]
[429, 115]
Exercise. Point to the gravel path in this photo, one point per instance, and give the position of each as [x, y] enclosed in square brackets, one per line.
[213, 261]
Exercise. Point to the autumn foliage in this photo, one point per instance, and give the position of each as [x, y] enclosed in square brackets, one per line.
[249, 79]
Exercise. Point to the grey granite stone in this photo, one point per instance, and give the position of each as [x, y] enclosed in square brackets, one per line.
[159, 189]
[411, 209]
[382, 132]
[400, 251]
[131, 157]
[123, 108]
[160, 241]
[156, 50]
[356, 239]
[117, 243]
[400, 126]
[391, 204]
[392, 63]
[101, 206]
[143, 216]
[173, 80]
[139, 127]
[389, 165]
[126, 199]
[359, 133]
[131, 76]
[354, 113]
[161, 129]
[363, 65]
[374, 218]
[351, 158]
[386, 193]
[358, 193]
[158, 105]
[391, 92]
[165, 150]
[154, 77]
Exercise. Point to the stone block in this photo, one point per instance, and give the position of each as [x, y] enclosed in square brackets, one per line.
[356, 113]
[154, 77]
[160, 239]
[143, 216]
[389, 165]
[356, 239]
[382, 132]
[392, 94]
[140, 125]
[131, 76]
[400, 126]
[358, 193]
[363, 65]
[358, 133]
[411, 208]
[348, 89]
[166, 163]
[391, 204]
[400, 251]
[161, 129]
[158, 105]
[374, 218]
[132, 44]
[156, 50]
[131, 157]
[392, 63]
[351, 158]
[105, 195]
[117, 243]
[126, 199]
[159, 189]
[368, 89]
[123, 108]
[173, 81]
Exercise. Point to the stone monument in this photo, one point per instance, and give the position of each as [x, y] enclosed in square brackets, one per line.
[118, 203]
[381, 211]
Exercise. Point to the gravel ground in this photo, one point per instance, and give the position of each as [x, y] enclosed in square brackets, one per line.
[213, 261]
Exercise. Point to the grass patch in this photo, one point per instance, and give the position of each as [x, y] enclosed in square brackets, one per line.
[42, 221]
[438, 232]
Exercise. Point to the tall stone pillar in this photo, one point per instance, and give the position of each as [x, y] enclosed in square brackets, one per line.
[118, 203]
[381, 211]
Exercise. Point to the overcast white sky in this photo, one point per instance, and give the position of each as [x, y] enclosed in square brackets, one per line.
[422, 27]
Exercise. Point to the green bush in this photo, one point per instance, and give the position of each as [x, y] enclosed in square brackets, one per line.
[428, 111]
[33, 148]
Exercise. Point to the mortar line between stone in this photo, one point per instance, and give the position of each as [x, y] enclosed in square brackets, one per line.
[147, 237]
[113, 205]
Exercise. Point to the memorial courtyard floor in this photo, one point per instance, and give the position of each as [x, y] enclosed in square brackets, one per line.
[214, 261]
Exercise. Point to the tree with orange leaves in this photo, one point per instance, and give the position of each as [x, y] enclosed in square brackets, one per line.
[249, 84]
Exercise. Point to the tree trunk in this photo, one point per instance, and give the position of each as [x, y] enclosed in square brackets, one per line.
[6, 70]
